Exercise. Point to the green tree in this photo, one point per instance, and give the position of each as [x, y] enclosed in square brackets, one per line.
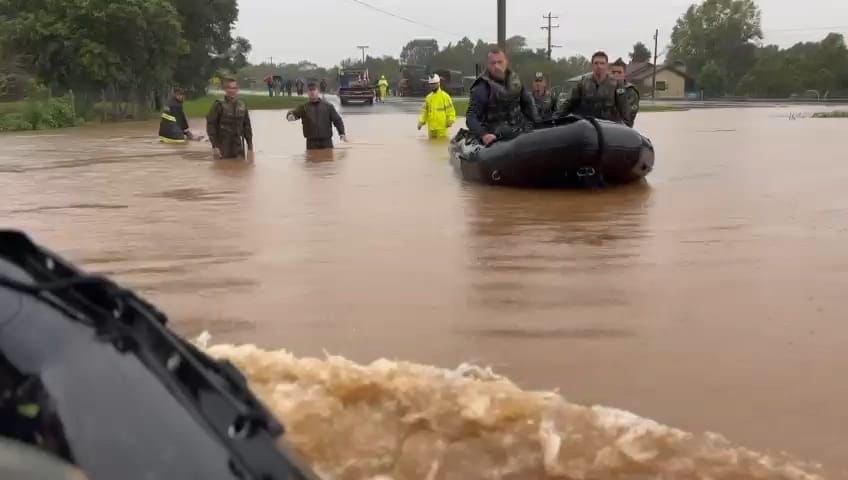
[129, 47]
[712, 79]
[419, 51]
[207, 27]
[640, 53]
[724, 31]
[820, 66]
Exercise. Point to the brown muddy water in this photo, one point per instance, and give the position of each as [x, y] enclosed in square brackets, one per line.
[710, 299]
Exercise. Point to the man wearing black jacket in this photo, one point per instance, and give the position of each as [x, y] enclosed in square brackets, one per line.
[319, 117]
[173, 126]
[500, 105]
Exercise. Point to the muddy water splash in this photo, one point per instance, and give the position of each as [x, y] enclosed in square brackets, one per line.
[403, 421]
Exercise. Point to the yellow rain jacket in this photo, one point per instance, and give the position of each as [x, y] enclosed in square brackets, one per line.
[383, 84]
[438, 113]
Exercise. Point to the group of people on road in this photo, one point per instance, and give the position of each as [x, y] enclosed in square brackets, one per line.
[501, 107]
[277, 85]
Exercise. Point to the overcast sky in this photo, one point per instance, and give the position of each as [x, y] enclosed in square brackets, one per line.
[326, 31]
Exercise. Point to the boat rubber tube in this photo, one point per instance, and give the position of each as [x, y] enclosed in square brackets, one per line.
[556, 154]
[91, 373]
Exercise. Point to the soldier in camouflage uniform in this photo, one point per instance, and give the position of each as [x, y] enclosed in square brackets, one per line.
[598, 95]
[500, 107]
[617, 70]
[228, 124]
[546, 103]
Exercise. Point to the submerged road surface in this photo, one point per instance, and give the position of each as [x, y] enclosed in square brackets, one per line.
[711, 298]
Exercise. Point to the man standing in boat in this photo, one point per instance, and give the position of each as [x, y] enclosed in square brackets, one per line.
[599, 95]
[617, 70]
[500, 106]
[546, 103]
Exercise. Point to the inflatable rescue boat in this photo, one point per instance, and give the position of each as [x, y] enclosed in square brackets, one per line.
[571, 151]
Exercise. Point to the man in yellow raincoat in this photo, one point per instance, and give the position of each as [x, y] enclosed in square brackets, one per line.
[383, 85]
[438, 112]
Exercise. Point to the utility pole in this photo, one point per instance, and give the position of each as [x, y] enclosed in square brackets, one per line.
[363, 47]
[272, 60]
[548, 28]
[502, 23]
[656, 42]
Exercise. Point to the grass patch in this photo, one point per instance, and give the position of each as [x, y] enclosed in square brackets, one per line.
[652, 107]
[199, 107]
[835, 114]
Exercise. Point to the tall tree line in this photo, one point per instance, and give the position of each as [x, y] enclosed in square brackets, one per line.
[720, 42]
[127, 51]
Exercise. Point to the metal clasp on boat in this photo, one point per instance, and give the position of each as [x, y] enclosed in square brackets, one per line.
[586, 171]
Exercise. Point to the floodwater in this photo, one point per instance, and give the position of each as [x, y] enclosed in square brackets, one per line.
[710, 298]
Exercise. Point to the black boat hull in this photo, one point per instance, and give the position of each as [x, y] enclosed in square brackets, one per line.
[556, 155]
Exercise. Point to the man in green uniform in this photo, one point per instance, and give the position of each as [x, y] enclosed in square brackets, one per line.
[228, 124]
[546, 103]
[617, 70]
[598, 95]
[500, 106]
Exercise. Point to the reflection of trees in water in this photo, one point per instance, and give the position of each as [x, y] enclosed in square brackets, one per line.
[536, 253]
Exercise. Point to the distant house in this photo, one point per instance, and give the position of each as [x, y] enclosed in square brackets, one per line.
[672, 80]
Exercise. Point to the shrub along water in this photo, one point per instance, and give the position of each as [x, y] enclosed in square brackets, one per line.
[56, 112]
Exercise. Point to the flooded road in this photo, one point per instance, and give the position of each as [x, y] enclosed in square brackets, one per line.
[709, 299]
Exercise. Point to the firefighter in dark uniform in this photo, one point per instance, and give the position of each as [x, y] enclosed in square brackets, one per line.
[500, 107]
[228, 124]
[173, 126]
[599, 95]
[617, 70]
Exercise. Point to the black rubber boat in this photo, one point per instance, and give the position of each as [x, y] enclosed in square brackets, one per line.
[91, 374]
[571, 151]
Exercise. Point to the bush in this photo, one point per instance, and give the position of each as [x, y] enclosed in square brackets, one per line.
[14, 122]
[31, 115]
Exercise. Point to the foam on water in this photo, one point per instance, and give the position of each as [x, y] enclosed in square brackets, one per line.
[403, 421]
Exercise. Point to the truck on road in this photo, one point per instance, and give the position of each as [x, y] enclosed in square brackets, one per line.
[354, 86]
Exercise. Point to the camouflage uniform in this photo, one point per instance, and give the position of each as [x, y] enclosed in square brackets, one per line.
[605, 100]
[546, 105]
[228, 127]
[632, 94]
[497, 107]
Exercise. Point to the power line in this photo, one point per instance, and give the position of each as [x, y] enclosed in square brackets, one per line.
[363, 48]
[548, 28]
[406, 19]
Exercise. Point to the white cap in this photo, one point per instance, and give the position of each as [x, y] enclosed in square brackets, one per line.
[435, 79]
